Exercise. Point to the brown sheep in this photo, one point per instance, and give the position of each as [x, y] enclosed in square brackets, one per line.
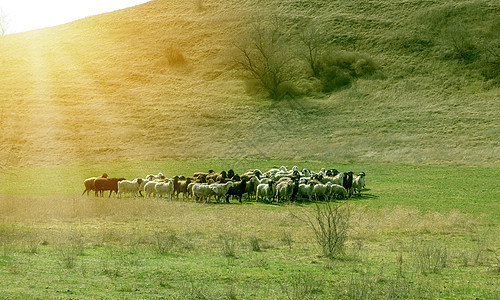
[182, 187]
[106, 184]
[89, 183]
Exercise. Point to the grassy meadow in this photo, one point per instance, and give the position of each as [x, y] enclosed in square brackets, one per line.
[415, 232]
[157, 88]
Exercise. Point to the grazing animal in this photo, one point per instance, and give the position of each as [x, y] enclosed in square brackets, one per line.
[202, 192]
[358, 183]
[106, 184]
[266, 190]
[320, 192]
[283, 189]
[220, 189]
[129, 187]
[182, 187]
[149, 189]
[251, 186]
[164, 188]
[348, 183]
[337, 179]
[337, 190]
[306, 190]
[89, 183]
[238, 189]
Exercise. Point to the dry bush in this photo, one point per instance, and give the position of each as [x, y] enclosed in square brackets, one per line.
[330, 223]
[175, 57]
[430, 257]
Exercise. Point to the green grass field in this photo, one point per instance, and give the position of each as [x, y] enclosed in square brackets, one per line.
[416, 232]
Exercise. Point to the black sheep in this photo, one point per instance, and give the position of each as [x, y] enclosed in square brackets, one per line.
[348, 183]
[238, 189]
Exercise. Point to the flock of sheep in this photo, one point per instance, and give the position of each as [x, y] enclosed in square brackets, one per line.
[277, 184]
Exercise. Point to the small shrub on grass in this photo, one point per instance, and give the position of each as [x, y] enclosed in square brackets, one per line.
[228, 246]
[430, 258]
[330, 223]
[68, 256]
[301, 286]
[254, 244]
[164, 242]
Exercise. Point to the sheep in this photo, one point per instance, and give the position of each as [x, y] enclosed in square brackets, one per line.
[337, 179]
[331, 172]
[238, 189]
[152, 177]
[306, 190]
[190, 188]
[320, 192]
[149, 188]
[266, 190]
[106, 184]
[251, 186]
[202, 192]
[220, 189]
[164, 188]
[348, 183]
[358, 183]
[254, 172]
[126, 186]
[89, 183]
[294, 188]
[283, 190]
[278, 175]
[182, 187]
[337, 190]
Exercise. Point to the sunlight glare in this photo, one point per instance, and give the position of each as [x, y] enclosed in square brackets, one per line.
[26, 15]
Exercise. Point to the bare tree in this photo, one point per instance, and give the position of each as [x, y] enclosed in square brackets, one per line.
[264, 56]
[315, 41]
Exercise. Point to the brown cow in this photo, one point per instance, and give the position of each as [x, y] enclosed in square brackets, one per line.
[106, 184]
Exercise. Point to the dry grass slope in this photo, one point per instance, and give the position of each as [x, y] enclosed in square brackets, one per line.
[108, 88]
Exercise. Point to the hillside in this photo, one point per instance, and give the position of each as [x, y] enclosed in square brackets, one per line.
[110, 87]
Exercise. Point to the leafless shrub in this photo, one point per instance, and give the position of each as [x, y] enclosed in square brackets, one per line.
[330, 223]
[301, 286]
[430, 258]
[254, 244]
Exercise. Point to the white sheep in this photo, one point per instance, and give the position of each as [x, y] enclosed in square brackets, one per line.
[281, 190]
[164, 189]
[338, 190]
[320, 191]
[220, 189]
[266, 190]
[202, 192]
[152, 177]
[358, 183]
[306, 190]
[149, 188]
[127, 186]
[190, 189]
[337, 179]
